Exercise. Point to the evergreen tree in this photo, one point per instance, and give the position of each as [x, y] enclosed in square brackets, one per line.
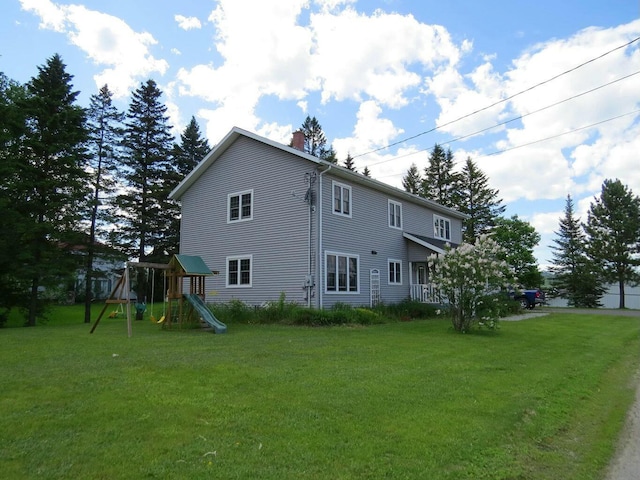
[476, 199]
[518, 239]
[366, 172]
[316, 142]
[186, 155]
[349, 163]
[574, 273]
[412, 182]
[613, 229]
[440, 182]
[12, 129]
[146, 169]
[104, 145]
[50, 185]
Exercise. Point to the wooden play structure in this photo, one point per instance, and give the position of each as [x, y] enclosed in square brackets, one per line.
[182, 306]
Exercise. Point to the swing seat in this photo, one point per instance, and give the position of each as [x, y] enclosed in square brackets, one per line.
[161, 320]
[152, 318]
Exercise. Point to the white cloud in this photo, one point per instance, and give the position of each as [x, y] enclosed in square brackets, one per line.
[107, 40]
[187, 23]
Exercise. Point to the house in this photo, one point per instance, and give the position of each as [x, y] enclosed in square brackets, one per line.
[274, 220]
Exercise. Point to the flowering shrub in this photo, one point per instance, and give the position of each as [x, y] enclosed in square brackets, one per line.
[468, 278]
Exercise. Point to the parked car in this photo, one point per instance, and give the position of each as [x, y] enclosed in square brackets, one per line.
[529, 298]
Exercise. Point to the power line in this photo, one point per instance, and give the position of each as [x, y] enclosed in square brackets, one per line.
[540, 140]
[519, 117]
[500, 101]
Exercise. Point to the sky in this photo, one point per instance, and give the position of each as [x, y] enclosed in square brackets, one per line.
[543, 95]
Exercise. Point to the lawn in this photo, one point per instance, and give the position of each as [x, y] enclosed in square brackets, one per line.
[538, 399]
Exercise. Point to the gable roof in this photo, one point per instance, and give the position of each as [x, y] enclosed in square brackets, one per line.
[323, 165]
[193, 265]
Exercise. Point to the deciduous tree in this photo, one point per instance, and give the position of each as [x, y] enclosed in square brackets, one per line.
[518, 239]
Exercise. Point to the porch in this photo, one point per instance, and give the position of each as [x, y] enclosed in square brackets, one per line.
[425, 293]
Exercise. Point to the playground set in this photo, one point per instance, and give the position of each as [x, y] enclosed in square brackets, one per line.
[181, 307]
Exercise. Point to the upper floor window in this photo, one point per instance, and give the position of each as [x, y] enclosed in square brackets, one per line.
[240, 206]
[341, 273]
[441, 228]
[341, 199]
[239, 271]
[395, 214]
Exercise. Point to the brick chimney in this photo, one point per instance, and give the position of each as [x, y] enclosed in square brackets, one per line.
[297, 141]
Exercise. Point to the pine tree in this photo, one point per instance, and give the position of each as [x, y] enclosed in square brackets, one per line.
[476, 199]
[50, 187]
[104, 145]
[440, 182]
[366, 172]
[186, 155]
[613, 230]
[146, 168]
[412, 182]
[349, 163]
[575, 276]
[316, 142]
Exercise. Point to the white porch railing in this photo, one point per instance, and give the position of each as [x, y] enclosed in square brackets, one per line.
[425, 293]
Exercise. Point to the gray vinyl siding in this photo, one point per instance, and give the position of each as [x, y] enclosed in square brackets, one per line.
[277, 235]
[368, 231]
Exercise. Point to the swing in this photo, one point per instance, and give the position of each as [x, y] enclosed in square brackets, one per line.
[153, 283]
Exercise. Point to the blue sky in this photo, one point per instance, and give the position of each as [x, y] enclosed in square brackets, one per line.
[375, 73]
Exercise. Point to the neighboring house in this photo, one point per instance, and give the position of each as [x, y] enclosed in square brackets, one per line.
[274, 220]
[108, 266]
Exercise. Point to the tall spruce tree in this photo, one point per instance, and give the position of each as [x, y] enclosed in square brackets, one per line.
[440, 181]
[104, 122]
[50, 186]
[518, 239]
[475, 198]
[146, 168]
[613, 230]
[366, 172]
[315, 140]
[192, 148]
[349, 163]
[575, 275]
[412, 182]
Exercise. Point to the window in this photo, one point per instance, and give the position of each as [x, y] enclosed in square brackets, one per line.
[341, 273]
[395, 214]
[395, 272]
[441, 228]
[239, 271]
[341, 199]
[240, 206]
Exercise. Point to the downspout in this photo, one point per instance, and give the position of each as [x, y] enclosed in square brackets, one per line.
[320, 280]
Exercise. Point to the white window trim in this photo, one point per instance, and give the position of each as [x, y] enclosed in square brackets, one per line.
[239, 258]
[399, 265]
[344, 187]
[239, 194]
[436, 229]
[326, 272]
[395, 204]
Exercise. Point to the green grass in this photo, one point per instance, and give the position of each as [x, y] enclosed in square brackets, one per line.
[538, 399]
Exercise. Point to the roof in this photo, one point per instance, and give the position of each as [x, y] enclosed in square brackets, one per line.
[438, 246]
[193, 265]
[337, 170]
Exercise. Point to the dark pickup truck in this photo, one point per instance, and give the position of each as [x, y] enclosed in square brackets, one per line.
[530, 298]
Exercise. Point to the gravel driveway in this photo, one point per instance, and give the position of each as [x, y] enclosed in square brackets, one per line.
[625, 464]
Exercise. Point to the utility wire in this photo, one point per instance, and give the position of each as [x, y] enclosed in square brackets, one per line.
[540, 140]
[500, 101]
[519, 117]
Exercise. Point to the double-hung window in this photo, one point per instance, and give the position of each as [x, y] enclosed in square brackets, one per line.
[341, 199]
[395, 272]
[395, 214]
[239, 271]
[341, 273]
[240, 206]
[441, 228]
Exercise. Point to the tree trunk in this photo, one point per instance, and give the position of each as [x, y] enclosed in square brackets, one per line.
[621, 290]
[33, 303]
